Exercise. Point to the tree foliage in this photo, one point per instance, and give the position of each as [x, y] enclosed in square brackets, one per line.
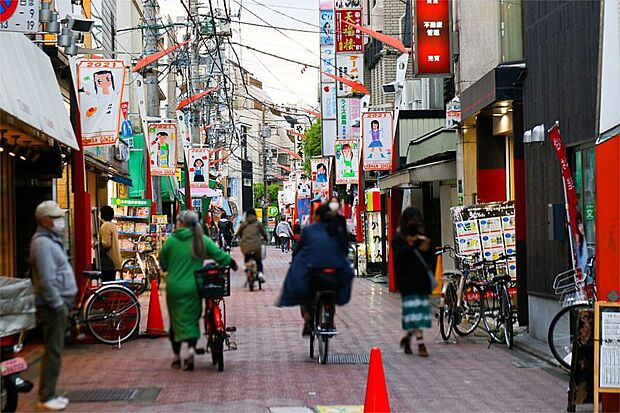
[312, 144]
[272, 192]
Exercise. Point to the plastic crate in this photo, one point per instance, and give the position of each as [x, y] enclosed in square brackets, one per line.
[213, 281]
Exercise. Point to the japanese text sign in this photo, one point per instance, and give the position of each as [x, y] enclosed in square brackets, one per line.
[432, 38]
[162, 148]
[350, 66]
[100, 91]
[348, 118]
[198, 167]
[349, 39]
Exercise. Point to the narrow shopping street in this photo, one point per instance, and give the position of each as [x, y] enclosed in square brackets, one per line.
[271, 368]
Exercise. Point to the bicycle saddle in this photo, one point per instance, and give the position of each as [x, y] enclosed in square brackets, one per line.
[93, 275]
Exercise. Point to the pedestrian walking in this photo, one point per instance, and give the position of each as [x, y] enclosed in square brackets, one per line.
[285, 234]
[412, 258]
[54, 288]
[251, 234]
[110, 252]
[181, 255]
[296, 233]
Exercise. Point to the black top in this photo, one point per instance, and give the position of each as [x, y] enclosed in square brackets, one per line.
[411, 276]
[225, 228]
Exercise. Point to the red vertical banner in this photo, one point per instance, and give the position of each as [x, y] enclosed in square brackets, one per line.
[348, 38]
[431, 31]
[569, 184]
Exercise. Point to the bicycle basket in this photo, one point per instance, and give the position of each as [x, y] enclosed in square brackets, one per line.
[213, 281]
[570, 286]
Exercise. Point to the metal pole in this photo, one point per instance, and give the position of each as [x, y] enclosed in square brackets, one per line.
[194, 76]
[265, 192]
[151, 84]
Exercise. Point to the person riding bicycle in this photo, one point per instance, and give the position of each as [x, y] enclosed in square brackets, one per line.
[252, 234]
[322, 244]
[225, 230]
[182, 255]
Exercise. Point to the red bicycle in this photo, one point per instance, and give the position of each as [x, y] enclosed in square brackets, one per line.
[213, 282]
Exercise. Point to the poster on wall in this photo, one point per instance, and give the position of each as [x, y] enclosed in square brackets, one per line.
[320, 177]
[100, 86]
[303, 188]
[347, 161]
[303, 211]
[162, 148]
[326, 20]
[350, 66]
[348, 118]
[348, 39]
[198, 167]
[377, 138]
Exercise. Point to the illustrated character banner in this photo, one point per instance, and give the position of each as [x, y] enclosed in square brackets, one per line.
[198, 167]
[347, 161]
[100, 91]
[303, 187]
[377, 139]
[327, 27]
[163, 148]
[320, 177]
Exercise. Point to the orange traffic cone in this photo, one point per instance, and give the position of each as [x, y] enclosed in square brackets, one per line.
[155, 321]
[376, 389]
[438, 275]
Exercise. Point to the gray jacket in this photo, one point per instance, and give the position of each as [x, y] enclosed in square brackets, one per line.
[52, 275]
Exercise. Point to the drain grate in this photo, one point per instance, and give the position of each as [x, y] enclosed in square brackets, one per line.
[348, 358]
[112, 395]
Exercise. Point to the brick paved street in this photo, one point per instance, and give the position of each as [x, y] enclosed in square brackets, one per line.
[271, 368]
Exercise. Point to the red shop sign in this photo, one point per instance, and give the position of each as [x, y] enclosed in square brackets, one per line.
[432, 38]
[348, 38]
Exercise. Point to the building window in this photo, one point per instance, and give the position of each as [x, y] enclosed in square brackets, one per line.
[511, 30]
[583, 173]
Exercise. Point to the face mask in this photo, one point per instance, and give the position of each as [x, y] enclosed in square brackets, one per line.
[334, 206]
[59, 225]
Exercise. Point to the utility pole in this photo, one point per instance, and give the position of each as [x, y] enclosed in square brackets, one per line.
[194, 75]
[151, 85]
[265, 133]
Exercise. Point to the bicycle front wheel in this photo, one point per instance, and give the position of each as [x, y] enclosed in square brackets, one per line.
[323, 348]
[561, 332]
[112, 314]
[467, 318]
[506, 307]
[446, 312]
[491, 315]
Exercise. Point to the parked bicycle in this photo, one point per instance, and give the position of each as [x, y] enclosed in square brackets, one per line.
[110, 310]
[141, 268]
[495, 301]
[323, 310]
[459, 304]
[213, 282]
[577, 291]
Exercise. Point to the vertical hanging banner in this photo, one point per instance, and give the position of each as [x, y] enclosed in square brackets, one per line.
[198, 167]
[347, 161]
[348, 118]
[350, 66]
[326, 21]
[432, 38]
[348, 39]
[320, 177]
[328, 84]
[100, 91]
[377, 132]
[328, 63]
[162, 148]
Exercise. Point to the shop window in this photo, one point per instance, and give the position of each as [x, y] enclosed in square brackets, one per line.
[583, 173]
[511, 30]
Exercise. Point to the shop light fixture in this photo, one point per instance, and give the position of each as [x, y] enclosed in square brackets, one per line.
[13, 151]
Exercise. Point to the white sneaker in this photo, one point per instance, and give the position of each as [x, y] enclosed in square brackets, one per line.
[51, 405]
[63, 400]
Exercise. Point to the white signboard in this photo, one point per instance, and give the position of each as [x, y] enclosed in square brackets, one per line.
[453, 113]
[350, 66]
[610, 80]
[100, 86]
[328, 131]
[348, 118]
[328, 63]
[328, 101]
[19, 15]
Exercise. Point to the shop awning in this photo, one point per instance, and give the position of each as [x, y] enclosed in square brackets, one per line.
[435, 171]
[30, 98]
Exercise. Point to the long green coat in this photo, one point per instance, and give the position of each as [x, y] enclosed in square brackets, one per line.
[184, 304]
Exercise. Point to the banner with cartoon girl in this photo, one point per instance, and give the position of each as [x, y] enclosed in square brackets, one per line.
[198, 167]
[163, 148]
[347, 161]
[100, 86]
[320, 177]
[377, 139]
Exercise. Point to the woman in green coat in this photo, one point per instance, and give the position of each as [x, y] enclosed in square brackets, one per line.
[182, 254]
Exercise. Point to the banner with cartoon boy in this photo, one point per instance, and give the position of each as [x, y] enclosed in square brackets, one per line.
[347, 161]
[377, 139]
[198, 167]
[100, 86]
[163, 148]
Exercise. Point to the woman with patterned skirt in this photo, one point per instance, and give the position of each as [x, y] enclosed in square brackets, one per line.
[412, 258]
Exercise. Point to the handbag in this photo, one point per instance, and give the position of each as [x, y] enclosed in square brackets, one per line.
[429, 273]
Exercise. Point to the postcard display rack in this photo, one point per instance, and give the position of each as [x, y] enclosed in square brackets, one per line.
[132, 218]
[487, 230]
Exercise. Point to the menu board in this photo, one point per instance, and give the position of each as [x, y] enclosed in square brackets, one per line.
[486, 230]
[609, 350]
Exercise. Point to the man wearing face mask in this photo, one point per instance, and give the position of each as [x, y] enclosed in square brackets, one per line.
[54, 288]
[334, 206]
